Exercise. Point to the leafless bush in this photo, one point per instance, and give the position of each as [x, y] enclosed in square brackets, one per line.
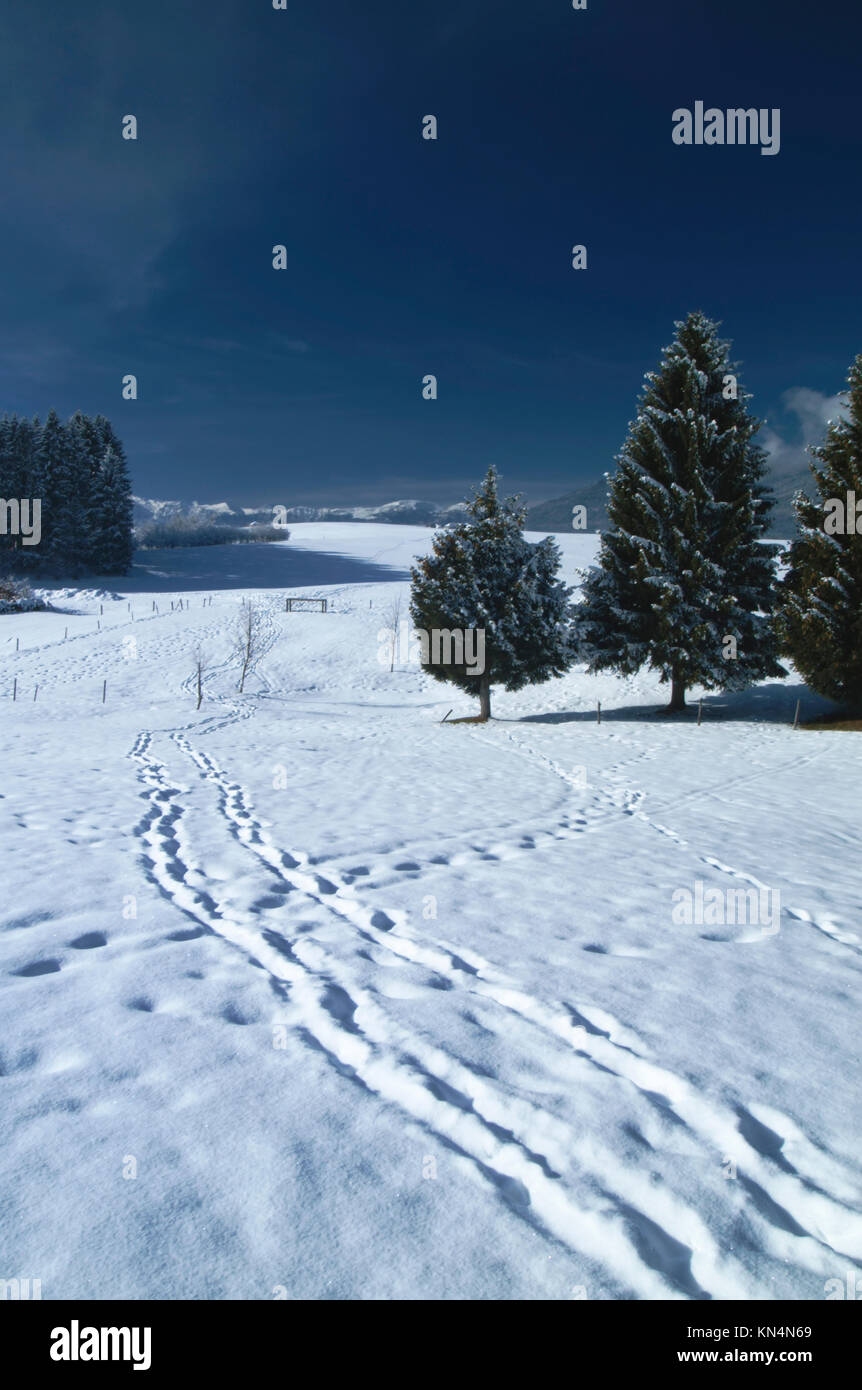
[202, 666]
[253, 637]
[392, 616]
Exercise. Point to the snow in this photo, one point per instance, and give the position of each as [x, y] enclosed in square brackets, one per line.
[401, 511]
[402, 1010]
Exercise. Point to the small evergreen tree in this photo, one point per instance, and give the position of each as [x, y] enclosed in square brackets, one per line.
[681, 571]
[820, 613]
[482, 575]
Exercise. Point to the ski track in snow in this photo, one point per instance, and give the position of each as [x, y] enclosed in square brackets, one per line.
[648, 1237]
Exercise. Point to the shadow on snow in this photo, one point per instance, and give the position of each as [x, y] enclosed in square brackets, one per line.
[773, 704]
[260, 565]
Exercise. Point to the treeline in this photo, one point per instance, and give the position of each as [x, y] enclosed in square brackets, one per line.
[183, 530]
[77, 472]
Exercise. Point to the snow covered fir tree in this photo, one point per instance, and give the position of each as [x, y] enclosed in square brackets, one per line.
[482, 575]
[681, 583]
[77, 472]
[820, 610]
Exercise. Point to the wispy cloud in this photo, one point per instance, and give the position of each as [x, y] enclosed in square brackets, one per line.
[812, 412]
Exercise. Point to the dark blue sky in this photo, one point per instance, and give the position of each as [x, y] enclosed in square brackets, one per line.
[407, 256]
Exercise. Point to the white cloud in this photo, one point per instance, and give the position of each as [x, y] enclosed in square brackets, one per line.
[813, 411]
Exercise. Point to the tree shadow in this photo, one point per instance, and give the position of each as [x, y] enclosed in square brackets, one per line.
[774, 703]
[253, 566]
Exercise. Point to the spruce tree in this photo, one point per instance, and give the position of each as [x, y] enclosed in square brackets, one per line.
[60, 459]
[820, 612]
[681, 571]
[112, 504]
[89, 453]
[483, 575]
[38, 485]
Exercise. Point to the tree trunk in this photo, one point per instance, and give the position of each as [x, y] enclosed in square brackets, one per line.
[485, 697]
[677, 694]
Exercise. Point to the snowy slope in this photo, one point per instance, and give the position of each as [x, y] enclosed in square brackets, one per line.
[307, 994]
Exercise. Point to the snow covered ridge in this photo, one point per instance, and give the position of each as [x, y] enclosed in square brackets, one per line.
[409, 511]
[84, 595]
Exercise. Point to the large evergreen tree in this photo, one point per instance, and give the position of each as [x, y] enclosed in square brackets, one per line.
[681, 571]
[820, 612]
[112, 502]
[89, 451]
[483, 575]
[61, 459]
[37, 483]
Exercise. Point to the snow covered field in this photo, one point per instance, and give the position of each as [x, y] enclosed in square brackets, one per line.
[308, 995]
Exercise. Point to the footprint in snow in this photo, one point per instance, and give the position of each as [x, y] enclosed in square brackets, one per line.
[38, 967]
[89, 941]
[186, 934]
[231, 1013]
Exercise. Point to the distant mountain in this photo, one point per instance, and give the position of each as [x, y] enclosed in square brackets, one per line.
[146, 509]
[556, 515]
[407, 512]
[784, 485]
